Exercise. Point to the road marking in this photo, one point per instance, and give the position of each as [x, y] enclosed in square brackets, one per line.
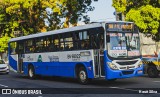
[156, 81]
[113, 87]
[3, 85]
[123, 88]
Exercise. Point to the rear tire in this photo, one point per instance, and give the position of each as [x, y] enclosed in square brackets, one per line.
[152, 71]
[82, 76]
[31, 72]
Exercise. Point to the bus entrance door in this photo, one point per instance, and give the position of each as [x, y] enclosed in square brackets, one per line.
[99, 63]
[20, 63]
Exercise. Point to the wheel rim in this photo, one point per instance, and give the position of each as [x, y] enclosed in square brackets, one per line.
[82, 76]
[30, 72]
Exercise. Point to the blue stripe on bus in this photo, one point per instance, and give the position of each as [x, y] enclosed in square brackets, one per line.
[13, 63]
[66, 69]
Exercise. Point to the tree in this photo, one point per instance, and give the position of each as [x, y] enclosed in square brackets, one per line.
[30, 16]
[3, 44]
[74, 11]
[145, 14]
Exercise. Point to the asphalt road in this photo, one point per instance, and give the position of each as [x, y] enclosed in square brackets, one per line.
[68, 87]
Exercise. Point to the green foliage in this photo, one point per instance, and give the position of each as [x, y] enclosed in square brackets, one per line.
[28, 16]
[146, 18]
[4, 43]
[74, 11]
[145, 14]
[120, 5]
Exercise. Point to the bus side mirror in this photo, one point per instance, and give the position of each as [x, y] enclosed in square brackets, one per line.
[108, 38]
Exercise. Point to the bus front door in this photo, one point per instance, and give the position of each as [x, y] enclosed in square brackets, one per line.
[99, 63]
[20, 63]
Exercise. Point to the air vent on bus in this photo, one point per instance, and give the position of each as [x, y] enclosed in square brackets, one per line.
[127, 62]
[127, 72]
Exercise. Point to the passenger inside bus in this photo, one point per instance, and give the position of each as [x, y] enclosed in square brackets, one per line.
[67, 47]
[32, 49]
[50, 46]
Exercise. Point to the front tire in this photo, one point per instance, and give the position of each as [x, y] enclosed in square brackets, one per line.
[31, 72]
[82, 76]
[152, 72]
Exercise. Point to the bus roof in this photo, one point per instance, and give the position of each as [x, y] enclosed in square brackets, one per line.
[87, 26]
[57, 31]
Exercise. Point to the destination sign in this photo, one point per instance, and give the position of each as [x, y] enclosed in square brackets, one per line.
[120, 27]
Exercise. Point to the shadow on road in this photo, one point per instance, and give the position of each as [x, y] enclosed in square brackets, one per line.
[95, 82]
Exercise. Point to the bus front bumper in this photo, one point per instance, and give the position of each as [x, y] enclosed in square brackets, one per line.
[118, 74]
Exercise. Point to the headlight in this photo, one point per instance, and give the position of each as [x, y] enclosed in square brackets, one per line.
[140, 64]
[112, 66]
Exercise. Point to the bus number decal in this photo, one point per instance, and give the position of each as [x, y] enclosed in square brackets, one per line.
[75, 57]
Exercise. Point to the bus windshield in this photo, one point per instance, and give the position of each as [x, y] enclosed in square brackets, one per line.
[123, 45]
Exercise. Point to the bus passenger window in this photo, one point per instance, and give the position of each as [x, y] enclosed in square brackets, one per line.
[61, 46]
[14, 47]
[27, 49]
[55, 45]
[50, 47]
[32, 49]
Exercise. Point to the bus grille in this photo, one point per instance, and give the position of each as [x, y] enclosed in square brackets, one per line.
[127, 62]
[127, 72]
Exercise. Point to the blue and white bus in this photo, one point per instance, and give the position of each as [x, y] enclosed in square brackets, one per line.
[109, 50]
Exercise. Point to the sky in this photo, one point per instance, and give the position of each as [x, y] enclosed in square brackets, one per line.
[103, 11]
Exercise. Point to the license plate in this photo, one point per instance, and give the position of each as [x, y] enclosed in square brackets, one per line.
[140, 71]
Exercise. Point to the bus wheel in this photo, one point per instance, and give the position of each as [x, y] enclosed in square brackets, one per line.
[152, 71]
[82, 76]
[31, 72]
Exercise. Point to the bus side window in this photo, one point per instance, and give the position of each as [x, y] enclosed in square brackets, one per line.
[55, 45]
[61, 37]
[50, 46]
[76, 41]
[13, 46]
[39, 45]
[93, 41]
[85, 44]
[68, 40]
[101, 38]
[32, 49]
[27, 50]
[84, 39]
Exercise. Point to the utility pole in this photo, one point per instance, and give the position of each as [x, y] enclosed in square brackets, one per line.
[119, 16]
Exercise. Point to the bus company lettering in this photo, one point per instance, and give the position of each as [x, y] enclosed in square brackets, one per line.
[53, 58]
[29, 58]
